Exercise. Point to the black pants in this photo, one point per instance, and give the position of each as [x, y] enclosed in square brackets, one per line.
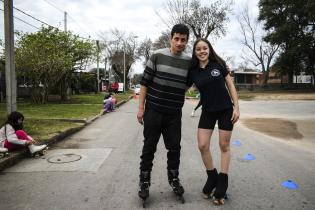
[155, 124]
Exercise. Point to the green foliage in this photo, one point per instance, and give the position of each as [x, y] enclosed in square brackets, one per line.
[45, 120]
[48, 57]
[87, 82]
[291, 24]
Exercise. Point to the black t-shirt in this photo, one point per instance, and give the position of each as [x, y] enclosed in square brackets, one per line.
[210, 82]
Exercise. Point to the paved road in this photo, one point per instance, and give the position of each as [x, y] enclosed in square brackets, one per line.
[106, 176]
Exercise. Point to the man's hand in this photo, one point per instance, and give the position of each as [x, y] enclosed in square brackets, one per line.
[140, 116]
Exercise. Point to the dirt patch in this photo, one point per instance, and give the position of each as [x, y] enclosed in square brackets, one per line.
[276, 127]
[285, 96]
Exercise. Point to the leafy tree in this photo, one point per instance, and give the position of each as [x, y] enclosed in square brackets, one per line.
[47, 58]
[292, 25]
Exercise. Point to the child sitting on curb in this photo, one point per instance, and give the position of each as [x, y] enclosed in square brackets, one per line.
[109, 102]
[12, 137]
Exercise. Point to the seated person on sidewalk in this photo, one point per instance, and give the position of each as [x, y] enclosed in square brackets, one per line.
[109, 102]
[12, 137]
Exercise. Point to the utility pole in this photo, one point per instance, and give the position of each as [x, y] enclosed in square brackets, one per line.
[10, 76]
[65, 21]
[124, 67]
[98, 69]
[105, 71]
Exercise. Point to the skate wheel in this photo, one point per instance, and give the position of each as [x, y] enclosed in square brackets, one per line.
[219, 202]
[207, 196]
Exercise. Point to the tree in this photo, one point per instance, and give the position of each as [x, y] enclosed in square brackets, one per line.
[261, 53]
[292, 25]
[82, 52]
[118, 44]
[136, 79]
[163, 41]
[202, 20]
[145, 50]
[47, 57]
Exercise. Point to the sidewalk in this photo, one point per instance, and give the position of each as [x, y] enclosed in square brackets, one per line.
[16, 156]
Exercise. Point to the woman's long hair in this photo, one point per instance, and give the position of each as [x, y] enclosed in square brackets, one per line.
[13, 120]
[213, 56]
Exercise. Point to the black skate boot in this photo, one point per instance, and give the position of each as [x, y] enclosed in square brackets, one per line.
[174, 181]
[211, 183]
[144, 185]
[220, 190]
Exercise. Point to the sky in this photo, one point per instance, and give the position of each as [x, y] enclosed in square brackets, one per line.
[88, 18]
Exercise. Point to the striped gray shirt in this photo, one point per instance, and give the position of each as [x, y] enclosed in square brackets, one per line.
[165, 77]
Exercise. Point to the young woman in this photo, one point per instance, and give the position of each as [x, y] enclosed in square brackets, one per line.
[12, 137]
[219, 103]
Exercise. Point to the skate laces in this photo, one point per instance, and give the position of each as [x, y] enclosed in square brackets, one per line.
[176, 183]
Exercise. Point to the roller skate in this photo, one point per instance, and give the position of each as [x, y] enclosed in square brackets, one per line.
[220, 190]
[210, 184]
[37, 151]
[175, 184]
[144, 185]
[3, 152]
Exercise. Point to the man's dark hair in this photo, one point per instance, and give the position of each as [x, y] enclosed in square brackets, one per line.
[181, 29]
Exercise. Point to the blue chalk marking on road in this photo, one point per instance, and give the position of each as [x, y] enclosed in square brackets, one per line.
[249, 157]
[290, 185]
[237, 143]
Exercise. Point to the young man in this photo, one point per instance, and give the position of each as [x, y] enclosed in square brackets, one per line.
[162, 96]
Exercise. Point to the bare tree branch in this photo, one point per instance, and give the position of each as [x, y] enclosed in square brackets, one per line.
[261, 52]
[202, 20]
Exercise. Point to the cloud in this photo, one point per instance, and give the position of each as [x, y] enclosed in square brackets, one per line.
[90, 17]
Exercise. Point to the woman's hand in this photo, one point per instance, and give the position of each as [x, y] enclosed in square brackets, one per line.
[235, 115]
[27, 143]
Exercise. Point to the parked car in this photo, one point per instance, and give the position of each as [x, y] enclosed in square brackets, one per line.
[137, 89]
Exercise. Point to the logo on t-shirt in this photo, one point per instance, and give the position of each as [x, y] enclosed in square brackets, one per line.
[215, 73]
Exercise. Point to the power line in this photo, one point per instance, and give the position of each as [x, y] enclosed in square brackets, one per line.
[80, 26]
[40, 20]
[23, 21]
[53, 5]
[31, 16]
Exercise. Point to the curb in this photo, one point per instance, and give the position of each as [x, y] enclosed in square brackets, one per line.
[17, 156]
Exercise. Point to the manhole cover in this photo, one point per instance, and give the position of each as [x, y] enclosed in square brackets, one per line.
[64, 158]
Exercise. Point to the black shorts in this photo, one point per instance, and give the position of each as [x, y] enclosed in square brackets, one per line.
[208, 119]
